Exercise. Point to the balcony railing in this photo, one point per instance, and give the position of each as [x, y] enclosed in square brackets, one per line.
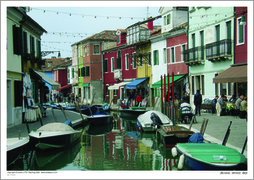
[219, 49]
[194, 56]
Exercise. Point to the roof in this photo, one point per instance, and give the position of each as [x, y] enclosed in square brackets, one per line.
[55, 62]
[104, 35]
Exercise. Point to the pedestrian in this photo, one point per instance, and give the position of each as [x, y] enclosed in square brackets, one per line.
[139, 99]
[197, 102]
[131, 97]
[214, 103]
[69, 97]
[221, 106]
[135, 97]
[186, 97]
[54, 97]
[243, 108]
[169, 94]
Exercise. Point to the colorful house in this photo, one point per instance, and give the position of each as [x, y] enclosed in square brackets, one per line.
[89, 58]
[23, 56]
[237, 73]
[210, 49]
[118, 69]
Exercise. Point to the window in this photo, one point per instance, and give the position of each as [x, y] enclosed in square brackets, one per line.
[18, 85]
[106, 90]
[72, 72]
[172, 54]
[197, 83]
[25, 43]
[118, 38]
[167, 19]
[105, 65]
[183, 48]
[140, 61]
[156, 57]
[134, 61]
[17, 40]
[84, 51]
[240, 32]
[87, 71]
[96, 49]
[49, 64]
[38, 46]
[83, 72]
[119, 60]
[32, 48]
[112, 64]
[202, 45]
[115, 92]
[87, 49]
[126, 62]
[165, 55]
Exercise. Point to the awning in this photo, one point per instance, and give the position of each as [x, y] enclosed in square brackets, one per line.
[116, 86]
[47, 79]
[158, 83]
[133, 84]
[66, 86]
[85, 84]
[232, 75]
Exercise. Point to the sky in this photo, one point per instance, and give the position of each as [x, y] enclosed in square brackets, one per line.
[67, 25]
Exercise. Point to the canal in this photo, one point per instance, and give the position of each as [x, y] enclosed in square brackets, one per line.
[115, 146]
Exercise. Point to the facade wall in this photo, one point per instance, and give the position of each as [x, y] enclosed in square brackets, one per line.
[241, 55]
[218, 16]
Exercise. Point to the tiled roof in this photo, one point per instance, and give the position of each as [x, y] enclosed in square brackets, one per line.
[104, 35]
[55, 62]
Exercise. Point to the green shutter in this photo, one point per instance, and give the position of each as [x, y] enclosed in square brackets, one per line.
[25, 42]
[87, 70]
[202, 44]
[72, 72]
[135, 63]
[165, 20]
[241, 32]
[168, 19]
[165, 55]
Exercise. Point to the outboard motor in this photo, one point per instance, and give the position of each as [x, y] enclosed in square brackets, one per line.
[156, 120]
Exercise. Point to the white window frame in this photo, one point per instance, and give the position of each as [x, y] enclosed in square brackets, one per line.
[133, 61]
[126, 62]
[112, 64]
[238, 25]
[171, 55]
[182, 56]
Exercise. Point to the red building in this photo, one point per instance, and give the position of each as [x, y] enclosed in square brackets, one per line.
[176, 44]
[118, 68]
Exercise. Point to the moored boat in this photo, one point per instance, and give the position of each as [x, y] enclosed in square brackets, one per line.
[133, 111]
[170, 135]
[54, 135]
[100, 118]
[210, 156]
[15, 146]
[152, 120]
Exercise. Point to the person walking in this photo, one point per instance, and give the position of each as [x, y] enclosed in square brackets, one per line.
[243, 108]
[238, 104]
[139, 99]
[197, 102]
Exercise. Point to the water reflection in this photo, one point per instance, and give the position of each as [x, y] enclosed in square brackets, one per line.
[116, 146]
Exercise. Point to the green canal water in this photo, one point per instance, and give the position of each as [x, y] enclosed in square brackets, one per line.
[112, 147]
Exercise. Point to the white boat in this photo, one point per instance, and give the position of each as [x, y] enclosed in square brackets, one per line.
[152, 120]
[54, 135]
[15, 147]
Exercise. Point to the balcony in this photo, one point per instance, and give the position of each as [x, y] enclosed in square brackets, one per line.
[194, 56]
[219, 50]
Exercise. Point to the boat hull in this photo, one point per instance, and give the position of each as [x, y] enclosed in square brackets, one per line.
[201, 156]
[130, 112]
[53, 140]
[100, 119]
[15, 146]
[174, 134]
[87, 111]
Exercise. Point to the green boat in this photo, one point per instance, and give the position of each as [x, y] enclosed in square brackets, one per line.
[210, 156]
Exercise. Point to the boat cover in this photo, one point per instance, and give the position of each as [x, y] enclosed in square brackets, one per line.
[55, 127]
[196, 138]
[146, 117]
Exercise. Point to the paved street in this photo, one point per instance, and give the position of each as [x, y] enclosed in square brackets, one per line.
[215, 131]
